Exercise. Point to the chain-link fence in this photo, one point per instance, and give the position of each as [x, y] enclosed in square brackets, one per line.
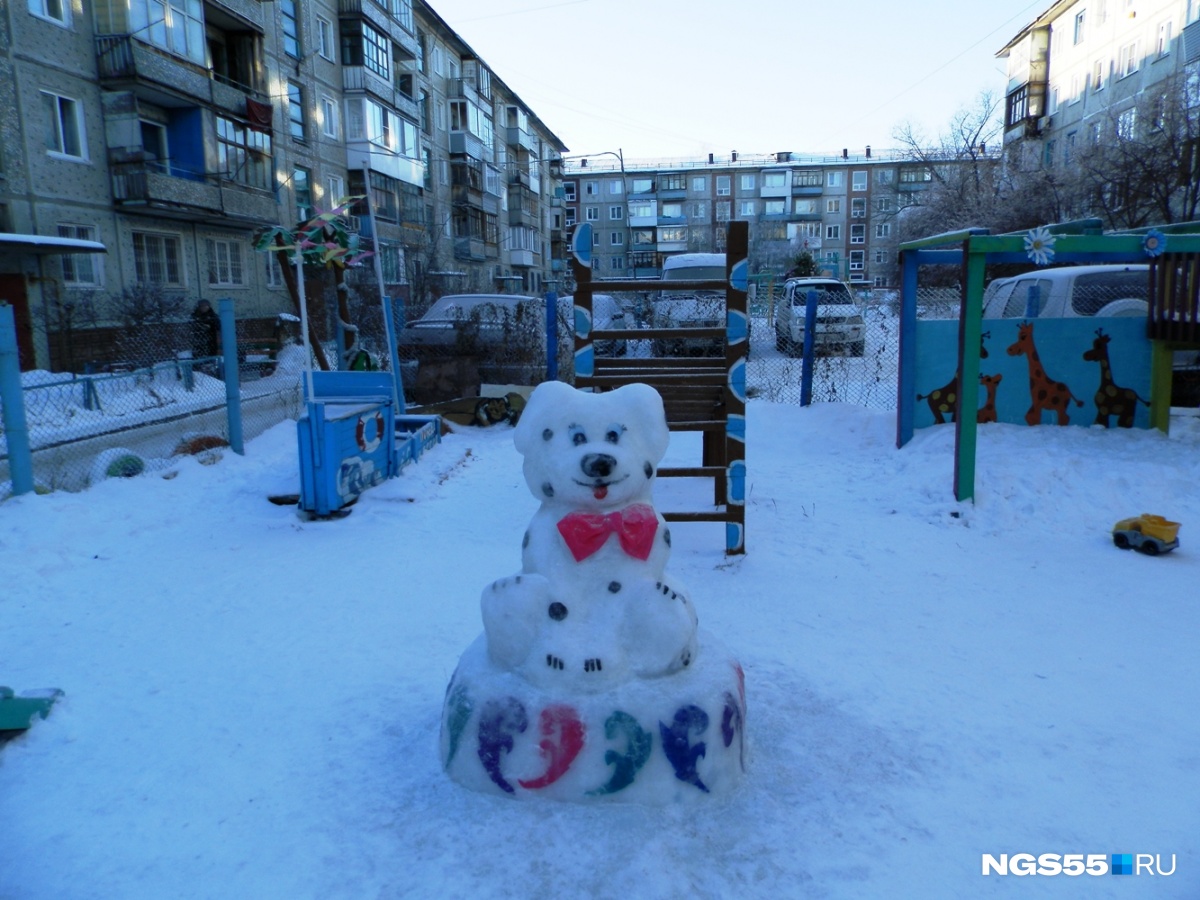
[150, 402]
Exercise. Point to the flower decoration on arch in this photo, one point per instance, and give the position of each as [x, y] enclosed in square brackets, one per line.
[1039, 245]
[1154, 243]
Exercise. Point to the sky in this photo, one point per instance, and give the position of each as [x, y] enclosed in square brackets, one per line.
[673, 79]
[252, 702]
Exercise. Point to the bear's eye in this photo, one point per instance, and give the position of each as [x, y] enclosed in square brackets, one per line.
[578, 438]
[612, 436]
[547, 434]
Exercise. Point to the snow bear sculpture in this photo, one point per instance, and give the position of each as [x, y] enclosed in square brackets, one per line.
[591, 678]
[591, 606]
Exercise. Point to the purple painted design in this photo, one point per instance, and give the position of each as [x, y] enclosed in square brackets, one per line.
[500, 720]
[677, 744]
[733, 722]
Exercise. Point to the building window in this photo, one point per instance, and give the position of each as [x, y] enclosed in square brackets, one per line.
[1080, 22]
[375, 52]
[615, 187]
[774, 207]
[642, 186]
[858, 208]
[175, 25]
[747, 182]
[700, 184]
[57, 11]
[883, 229]
[616, 212]
[857, 260]
[833, 206]
[329, 118]
[858, 234]
[617, 262]
[672, 235]
[807, 178]
[913, 176]
[80, 269]
[569, 218]
[641, 209]
[775, 179]
[671, 183]
[698, 210]
[746, 208]
[1098, 75]
[723, 185]
[883, 205]
[885, 176]
[156, 258]
[833, 232]
[325, 40]
[592, 213]
[1127, 124]
[672, 210]
[617, 239]
[835, 179]
[591, 188]
[296, 110]
[302, 188]
[805, 207]
[1128, 61]
[858, 181]
[274, 273]
[1163, 46]
[881, 256]
[569, 191]
[291, 28]
[723, 210]
[880, 281]
[64, 127]
[243, 154]
[335, 188]
[224, 263]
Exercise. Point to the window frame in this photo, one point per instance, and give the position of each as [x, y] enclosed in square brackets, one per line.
[72, 262]
[142, 263]
[54, 105]
[40, 9]
[226, 267]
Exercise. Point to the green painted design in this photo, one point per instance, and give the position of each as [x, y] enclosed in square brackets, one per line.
[461, 706]
[627, 764]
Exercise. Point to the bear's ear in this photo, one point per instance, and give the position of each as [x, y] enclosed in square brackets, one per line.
[547, 405]
[643, 412]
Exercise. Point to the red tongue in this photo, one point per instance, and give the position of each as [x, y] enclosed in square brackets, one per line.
[600, 493]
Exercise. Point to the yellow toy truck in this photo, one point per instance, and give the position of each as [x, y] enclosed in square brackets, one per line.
[1146, 533]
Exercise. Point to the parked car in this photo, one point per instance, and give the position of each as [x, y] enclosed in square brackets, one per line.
[689, 308]
[504, 335]
[607, 314]
[1066, 291]
[839, 327]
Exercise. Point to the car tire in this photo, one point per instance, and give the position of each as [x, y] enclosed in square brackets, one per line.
[1122, 541]
[1149, 548]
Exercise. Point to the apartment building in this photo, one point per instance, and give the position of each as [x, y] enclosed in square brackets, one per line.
[1084, 64]
[170, 131]
[843, 209]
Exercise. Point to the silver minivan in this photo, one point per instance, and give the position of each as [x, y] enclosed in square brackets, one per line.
[1067, 291]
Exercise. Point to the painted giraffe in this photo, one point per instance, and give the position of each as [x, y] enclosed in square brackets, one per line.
[1111, 399]
[1045, 393]
[987, 412]
[943, 401]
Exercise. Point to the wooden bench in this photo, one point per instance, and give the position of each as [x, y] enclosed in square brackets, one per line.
[705, 394]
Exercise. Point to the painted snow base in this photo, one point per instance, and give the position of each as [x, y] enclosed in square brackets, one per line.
[652, 741]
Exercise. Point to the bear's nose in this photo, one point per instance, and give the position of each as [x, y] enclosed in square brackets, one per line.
[598, 465]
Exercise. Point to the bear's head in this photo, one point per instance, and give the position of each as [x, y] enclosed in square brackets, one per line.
[592, 451]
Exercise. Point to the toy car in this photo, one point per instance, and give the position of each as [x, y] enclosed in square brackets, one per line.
[1149, 534]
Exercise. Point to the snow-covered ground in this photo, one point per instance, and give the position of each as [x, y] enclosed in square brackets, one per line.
[252, 702]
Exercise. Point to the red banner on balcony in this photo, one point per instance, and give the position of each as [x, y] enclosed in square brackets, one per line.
[259, 115]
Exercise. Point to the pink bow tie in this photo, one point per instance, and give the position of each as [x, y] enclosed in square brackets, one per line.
[635, 526]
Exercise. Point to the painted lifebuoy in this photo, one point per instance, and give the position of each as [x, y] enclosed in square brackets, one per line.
[360, 433]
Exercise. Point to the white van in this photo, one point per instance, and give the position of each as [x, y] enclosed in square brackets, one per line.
[689, 308]
[1066, 291]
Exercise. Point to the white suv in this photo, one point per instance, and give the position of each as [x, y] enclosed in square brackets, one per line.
[839, 325]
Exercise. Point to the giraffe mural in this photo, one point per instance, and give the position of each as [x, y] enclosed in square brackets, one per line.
[943, 401]
[1045, 393]
[987, 412]
[1111, 399]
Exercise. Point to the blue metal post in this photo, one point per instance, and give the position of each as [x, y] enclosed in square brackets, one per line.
[551, 336]
[389, 325]
[16, 430]
[806, 369]
[233, 393]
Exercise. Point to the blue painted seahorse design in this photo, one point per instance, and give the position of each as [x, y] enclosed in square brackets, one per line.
[637, 751]
[460, 706]
[677, 745]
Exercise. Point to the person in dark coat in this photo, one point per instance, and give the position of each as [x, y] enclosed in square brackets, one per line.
[206, 331]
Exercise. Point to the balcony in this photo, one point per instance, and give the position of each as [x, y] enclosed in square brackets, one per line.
[151, 74]
[467, 144]
[470, 248]
[368, 10]
[807, 190]
[360, 78]
[365, 155]
[522, 258]
[642, 221]
[670, 220]
[153, 189]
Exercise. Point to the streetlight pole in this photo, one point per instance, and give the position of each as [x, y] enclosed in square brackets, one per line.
[624, 205]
